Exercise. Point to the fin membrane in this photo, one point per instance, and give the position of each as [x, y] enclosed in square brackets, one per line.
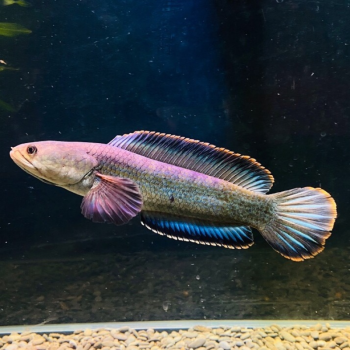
[198, 231]
[303, 220]
[112, 199]
[198, 156]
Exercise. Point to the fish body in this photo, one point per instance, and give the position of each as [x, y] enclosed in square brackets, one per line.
[184, 189]
[174, 190]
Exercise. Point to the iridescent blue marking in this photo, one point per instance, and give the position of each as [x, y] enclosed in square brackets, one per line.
[199, 231]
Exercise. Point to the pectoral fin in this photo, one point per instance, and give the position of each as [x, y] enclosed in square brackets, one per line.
[112, 199]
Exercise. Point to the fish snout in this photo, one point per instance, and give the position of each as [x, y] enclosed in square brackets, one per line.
[13, 153]
[17, 156]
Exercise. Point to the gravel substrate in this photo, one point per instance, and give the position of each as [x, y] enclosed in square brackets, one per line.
[320, 337]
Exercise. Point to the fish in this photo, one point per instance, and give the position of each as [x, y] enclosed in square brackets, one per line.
[184, 189]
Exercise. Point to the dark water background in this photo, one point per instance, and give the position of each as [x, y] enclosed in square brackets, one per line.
[270, 79]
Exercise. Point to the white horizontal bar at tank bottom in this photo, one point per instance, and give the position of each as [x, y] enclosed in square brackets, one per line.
[167, 325]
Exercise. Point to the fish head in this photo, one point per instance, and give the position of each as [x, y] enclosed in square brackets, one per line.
[57, 163]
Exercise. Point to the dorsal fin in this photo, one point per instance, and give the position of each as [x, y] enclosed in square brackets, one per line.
[198, 156]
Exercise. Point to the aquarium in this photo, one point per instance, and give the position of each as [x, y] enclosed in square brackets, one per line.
[266, 79]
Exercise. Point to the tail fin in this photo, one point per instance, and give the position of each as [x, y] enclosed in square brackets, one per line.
[303, 220]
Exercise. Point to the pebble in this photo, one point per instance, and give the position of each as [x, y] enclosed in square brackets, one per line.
[275, 328]
[314, 344]
[123, 329]
[235, 329]
[287, 336]
[200, 328]
[315, 334]
[295, 333]
[87, 332]
[318, 327]
[340, 340]
[119, 336]
[211, 345]
[331, 344]
[225, 338]
[13, 337]
[245, 336]
[225, 345]
[131, 338]
[191, 334]
[38, 340]
[325, 336]
[12, 346]
[197, 343]
[107, 344]
[244, 330]
[280, 346]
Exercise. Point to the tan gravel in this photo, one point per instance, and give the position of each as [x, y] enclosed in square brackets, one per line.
[274, 337]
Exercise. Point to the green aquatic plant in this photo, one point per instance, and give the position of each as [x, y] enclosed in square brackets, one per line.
[6, 107]
[18, 2]
[12, 29]
[2, 68]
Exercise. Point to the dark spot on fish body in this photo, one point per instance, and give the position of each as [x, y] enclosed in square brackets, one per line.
[171, 198]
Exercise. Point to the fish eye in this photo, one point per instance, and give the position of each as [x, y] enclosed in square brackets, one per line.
[31, 150]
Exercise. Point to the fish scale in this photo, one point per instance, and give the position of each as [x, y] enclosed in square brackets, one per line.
[184, 189]
[194, 193]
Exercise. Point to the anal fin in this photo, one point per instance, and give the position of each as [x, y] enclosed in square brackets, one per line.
[198, 231]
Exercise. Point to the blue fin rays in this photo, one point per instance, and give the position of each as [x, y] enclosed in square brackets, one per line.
[303, 220]
[198, 231]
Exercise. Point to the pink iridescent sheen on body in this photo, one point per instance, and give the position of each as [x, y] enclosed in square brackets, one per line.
[175, 190]
[184, 189]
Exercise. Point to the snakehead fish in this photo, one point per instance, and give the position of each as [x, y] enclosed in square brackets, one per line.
[183, 189]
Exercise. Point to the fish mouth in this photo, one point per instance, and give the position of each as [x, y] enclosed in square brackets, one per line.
[25, 165]
[20, 160]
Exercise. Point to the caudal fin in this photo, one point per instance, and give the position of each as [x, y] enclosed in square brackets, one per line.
[304, 218]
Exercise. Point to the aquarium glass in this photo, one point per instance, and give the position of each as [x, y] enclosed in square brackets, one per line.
[269, 79]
